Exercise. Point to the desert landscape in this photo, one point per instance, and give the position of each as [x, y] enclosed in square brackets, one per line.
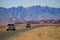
[36, 32]
[29, 19]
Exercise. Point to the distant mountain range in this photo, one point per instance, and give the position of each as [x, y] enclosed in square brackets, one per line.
[34, 13]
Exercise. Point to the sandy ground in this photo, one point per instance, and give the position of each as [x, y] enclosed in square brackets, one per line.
[37, 32]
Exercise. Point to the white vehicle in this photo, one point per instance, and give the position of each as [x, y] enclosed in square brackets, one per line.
[10, 27]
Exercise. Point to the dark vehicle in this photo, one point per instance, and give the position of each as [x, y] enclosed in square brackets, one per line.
[11, 27]
[28, 26]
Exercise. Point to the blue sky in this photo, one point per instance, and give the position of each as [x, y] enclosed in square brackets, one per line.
[26, 3]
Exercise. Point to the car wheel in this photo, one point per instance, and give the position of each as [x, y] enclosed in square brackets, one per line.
[7, 29]
[13, 29]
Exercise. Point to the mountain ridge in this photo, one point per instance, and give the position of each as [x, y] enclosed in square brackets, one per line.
[30, 13]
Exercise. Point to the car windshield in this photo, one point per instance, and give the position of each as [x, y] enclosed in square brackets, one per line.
[10, 24]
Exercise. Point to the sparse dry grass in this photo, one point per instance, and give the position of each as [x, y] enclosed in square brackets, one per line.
[2, 26]
[40, 33]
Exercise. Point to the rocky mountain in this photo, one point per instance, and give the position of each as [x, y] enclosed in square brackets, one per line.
[29, 13]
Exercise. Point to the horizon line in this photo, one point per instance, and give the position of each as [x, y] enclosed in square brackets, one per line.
[30, 6]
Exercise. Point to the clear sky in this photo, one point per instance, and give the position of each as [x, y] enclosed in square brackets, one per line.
[26, 3]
